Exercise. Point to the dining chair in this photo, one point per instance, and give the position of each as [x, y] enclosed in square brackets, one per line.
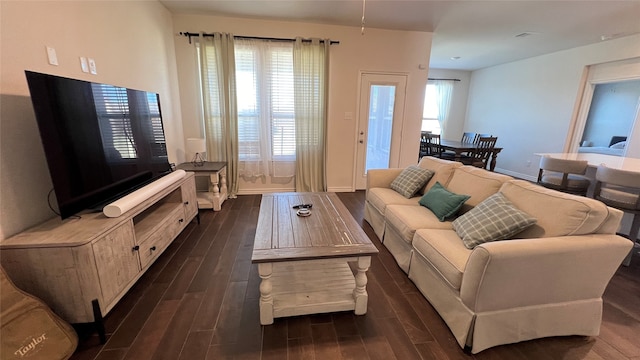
[468, 137]
[478, 136]
[430, 145]
[424, 146]
[564, 175]
[434, 145]
[480, 155]
[620, 189]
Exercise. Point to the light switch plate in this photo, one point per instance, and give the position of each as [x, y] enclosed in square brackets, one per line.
[83, 64]
[92, 66]
[51, 56]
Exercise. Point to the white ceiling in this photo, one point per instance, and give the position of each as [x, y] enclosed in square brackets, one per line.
[481, 33]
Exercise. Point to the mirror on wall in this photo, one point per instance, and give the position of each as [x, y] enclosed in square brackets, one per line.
[612, 114]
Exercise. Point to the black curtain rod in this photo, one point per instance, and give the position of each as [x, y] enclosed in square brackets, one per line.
[445, 79]
[190, 34]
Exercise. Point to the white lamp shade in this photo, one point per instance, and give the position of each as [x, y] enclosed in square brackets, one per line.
[196, 145]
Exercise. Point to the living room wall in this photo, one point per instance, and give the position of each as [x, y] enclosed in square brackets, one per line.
[132, 45]
[377, 50]
[529, 104]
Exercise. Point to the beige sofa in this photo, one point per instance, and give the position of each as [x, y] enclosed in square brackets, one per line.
[547, 281]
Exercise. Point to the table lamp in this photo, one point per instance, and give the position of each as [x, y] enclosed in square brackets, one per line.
[197, 146]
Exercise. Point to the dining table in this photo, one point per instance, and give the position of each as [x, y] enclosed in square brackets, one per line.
[461, 147]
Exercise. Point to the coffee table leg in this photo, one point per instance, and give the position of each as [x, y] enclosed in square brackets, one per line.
[266, 299]
[360, 292]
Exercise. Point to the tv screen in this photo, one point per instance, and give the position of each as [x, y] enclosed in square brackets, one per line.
[101, 141]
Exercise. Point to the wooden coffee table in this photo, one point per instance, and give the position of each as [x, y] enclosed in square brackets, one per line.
[303, 261]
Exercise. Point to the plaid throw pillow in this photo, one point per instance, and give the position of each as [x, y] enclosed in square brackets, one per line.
[410, 180]
[496, 218]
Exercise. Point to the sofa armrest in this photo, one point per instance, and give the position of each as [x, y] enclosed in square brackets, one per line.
[382, 178]
[525, 272]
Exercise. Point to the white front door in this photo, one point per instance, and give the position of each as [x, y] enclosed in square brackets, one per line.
[380, 117]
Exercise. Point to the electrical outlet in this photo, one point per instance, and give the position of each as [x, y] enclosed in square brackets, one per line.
[51, 56]
[528, 163]
[92, 66]
[83, 64]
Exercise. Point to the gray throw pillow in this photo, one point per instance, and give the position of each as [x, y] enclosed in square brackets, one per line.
[496, 218]
[411, 180]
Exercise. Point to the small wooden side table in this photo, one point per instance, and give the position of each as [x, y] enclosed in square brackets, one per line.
[217, 192]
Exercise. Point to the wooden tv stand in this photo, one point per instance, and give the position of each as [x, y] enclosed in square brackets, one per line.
[77, 264]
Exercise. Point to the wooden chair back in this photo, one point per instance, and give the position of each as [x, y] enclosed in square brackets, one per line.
[478, 136]
[468, 137]
[483, 150]
[429, 145]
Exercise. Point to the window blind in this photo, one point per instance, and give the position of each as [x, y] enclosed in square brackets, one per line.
[264, 80]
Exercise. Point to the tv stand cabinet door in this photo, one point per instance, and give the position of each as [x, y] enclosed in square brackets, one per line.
[117, 261]
[189, 198]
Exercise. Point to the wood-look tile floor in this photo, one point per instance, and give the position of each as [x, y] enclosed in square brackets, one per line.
[200, 301]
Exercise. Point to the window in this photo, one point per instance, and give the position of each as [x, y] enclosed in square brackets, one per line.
[264, 82]
[430, 110]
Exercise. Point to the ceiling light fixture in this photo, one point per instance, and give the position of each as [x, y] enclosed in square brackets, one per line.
[611, 36]
[362, 21]
[526, 33]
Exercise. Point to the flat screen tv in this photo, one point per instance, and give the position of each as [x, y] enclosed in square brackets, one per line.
[101, 141]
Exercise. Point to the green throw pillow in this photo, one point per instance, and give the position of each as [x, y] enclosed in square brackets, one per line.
[496, 218]
[411, 180]
[442, 202]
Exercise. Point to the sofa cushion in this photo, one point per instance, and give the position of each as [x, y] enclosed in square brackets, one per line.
[380, 198]
[493, 219]
[443, 170]
[411, 180]
[557, 213]
[407, 219]
[476, 182]
[443, 249]
[442, 202]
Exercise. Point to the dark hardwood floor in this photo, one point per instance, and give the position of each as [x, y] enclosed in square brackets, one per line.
[200, 301]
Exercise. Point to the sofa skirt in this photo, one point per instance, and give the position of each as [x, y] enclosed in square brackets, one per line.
[480, 331]
[375, 219]
[442, 297]
[398, 247]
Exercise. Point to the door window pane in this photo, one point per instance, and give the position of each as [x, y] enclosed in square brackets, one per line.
[381, 103]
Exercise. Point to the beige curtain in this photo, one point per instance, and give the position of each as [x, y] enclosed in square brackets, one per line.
[217, 73]
[444, 92]
[311, 74]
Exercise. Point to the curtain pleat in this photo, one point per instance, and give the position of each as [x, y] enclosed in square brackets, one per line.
[218, 87]
[311, 69]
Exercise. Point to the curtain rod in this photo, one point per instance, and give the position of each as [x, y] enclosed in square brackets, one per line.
[190, 34]
[444, 79]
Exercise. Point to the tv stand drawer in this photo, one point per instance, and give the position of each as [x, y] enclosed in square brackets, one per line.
[155, 244]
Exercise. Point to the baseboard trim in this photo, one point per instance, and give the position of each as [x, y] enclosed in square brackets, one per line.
[340, 189]
[335, 189]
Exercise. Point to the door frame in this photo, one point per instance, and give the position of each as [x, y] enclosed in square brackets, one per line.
[604, 73]
[397, 107]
